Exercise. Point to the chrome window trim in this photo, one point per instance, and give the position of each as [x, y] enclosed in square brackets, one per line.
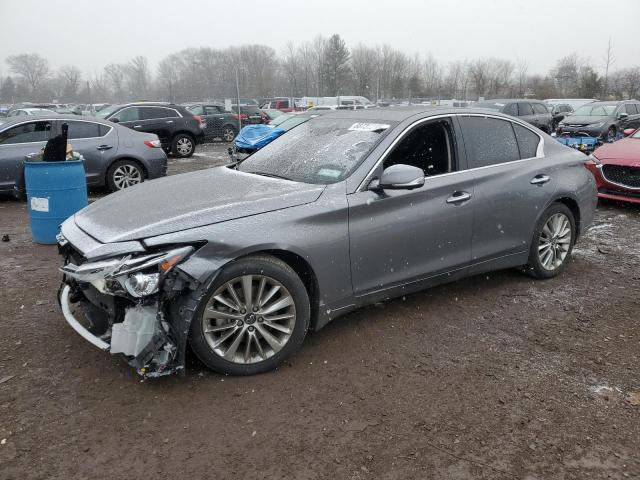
[539, 151]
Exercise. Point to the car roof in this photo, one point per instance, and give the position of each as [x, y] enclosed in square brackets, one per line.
[508, 100]
[9, 121]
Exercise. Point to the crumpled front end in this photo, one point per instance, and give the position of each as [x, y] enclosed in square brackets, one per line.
[122, 303]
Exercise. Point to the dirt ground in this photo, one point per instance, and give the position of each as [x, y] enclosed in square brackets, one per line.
[493, 377]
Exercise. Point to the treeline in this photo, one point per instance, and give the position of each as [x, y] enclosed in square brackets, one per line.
[321, 67]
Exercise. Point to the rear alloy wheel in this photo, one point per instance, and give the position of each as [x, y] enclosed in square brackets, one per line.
[228, 134]
[124, 174]
[552, 243]
[256, 315]
[183, 146]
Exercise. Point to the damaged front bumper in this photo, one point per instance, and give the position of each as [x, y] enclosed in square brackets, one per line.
[126, 305]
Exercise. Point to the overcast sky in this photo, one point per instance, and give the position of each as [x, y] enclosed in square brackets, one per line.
[90, 34]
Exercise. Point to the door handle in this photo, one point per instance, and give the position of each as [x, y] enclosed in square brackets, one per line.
[104, 147]
[458, 197]
[137, 126]
[540, 179]
[169, 121]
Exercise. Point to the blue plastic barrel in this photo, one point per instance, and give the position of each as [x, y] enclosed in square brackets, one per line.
[55, 191]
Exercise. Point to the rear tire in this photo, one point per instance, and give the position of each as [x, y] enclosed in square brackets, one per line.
[226, 324]
[123, 174]
[183, 145]
[552, 242]
[228, 133]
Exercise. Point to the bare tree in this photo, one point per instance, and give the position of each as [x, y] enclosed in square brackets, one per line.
[521, 73]
[138, 77]
[70, 78]
[32, 67]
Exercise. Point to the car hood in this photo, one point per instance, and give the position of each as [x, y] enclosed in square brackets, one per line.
[584, 120]
[190, 200]
[624, 152]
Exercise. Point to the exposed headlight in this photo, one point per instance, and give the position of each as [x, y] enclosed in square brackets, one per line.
[596, 125]
[142, 284]
[138, 276]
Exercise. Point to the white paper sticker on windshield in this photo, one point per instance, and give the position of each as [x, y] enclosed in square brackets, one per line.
[39, 204]
[368, 127]
[329, 172]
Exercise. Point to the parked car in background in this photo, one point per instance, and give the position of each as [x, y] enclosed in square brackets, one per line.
[89, 109]
[178, 129]
[272, 113]
[531, 111]
[284, 104]
[114, 156]
[26, 112]
[347, 209]
[250, 115]
[220, 123]
[603, 120]
[616, 168]
[574, 103]
[558, 112]
[322, 108]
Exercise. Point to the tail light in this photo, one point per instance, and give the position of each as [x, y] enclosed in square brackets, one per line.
[200, 121]
[152, 143]
[242, 116]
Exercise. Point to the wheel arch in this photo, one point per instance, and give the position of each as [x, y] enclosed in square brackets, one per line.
[571, 204]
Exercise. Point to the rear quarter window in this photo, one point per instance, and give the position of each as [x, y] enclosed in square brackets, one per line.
[527, 141]
[488, 141]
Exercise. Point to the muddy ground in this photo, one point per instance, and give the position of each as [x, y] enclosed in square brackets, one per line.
[496, 376]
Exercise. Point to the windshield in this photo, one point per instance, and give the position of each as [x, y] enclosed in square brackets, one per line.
[294, 121]
[320, 151]
[106, 111]
[595, 110]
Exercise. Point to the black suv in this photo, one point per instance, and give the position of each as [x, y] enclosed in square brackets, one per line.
[531, 111]
[178, 129]
[220, 123]
[605, 120]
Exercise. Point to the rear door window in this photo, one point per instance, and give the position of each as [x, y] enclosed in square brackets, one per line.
[212, 110]
[26, 133]
[169, 113]
[152, 113]
[631, 109]
[527, 141]
[524, 109]
[83, 130]
[488, 141]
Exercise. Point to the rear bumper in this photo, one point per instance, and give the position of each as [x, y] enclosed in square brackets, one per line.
[156, 167]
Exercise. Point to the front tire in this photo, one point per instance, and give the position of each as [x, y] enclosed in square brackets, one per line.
[552, 242]
[183, 145]
[254, 316]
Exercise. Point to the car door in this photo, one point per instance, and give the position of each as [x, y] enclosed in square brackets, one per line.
[15, 144]
[399, 237]
[158, 120]
[98, 145]
[130, 117]
[214, 116]
[633, 121]
[513, 184]
[526, 113]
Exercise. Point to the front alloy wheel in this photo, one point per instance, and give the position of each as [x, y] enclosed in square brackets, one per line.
[256, 314]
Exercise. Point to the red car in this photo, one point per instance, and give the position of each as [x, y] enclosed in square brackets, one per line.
[616, 167]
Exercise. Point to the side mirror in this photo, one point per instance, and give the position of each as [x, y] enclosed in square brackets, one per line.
[114, 120]
[401, 177]
[623, 116]
[628, 131]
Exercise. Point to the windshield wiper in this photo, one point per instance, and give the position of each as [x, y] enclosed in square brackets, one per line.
[272, 175]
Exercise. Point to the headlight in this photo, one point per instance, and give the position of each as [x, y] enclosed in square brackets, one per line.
[596, 125]
[142, 284]
[138, 276]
